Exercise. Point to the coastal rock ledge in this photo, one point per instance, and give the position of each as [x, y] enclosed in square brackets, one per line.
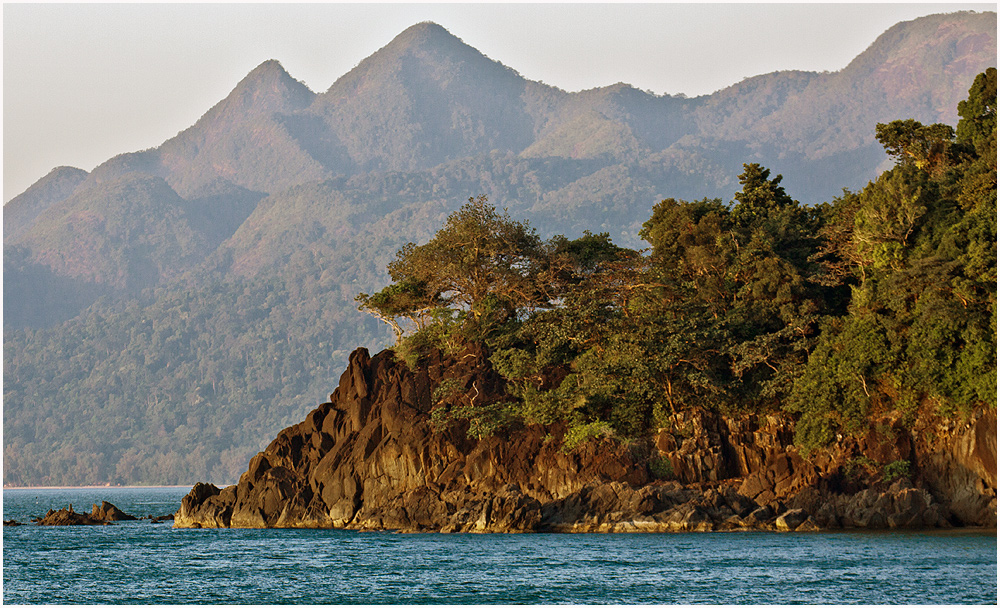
[371, 459]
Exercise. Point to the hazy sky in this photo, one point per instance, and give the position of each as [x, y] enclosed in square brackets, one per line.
[84, 82]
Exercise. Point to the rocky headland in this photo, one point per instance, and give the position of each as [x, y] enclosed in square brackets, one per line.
[372, 458]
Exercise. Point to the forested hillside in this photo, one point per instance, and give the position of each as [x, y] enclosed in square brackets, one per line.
[169, 312]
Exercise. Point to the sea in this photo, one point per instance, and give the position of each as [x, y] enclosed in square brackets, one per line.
[152, 563]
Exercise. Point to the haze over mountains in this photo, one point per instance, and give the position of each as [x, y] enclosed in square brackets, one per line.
[201, 293]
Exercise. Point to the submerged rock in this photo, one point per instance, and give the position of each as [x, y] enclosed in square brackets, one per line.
[159, 519]
[371, 459]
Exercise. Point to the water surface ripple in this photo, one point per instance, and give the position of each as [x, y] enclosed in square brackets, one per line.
[144, 563]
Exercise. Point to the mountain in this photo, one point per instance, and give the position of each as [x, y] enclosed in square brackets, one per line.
[206, 286]
[20, 213]
[128, 233]
[424, 99]
[908, 71]
[243, 139]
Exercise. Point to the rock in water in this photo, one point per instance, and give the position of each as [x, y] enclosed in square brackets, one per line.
[69, 517]
[109, 512]
[102, 515]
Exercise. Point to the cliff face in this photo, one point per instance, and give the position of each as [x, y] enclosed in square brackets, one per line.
[371, 459]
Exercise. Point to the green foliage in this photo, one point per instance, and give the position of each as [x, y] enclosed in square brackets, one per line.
[452, 402]
[446, 390]
[889, 213]
[481, 263]
[925, 147]
[895, 470]
[407, 299]
[834, 392]
[921, 327]
[446, 333]
[579, 434]
[485, 420]
[661, 467]
[718, 316]
[860, 466]
[978, 113]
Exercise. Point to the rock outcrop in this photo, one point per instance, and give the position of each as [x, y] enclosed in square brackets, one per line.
[102, 515]
[374, 457]
[109, 512]
[959, 462]
[69, 517]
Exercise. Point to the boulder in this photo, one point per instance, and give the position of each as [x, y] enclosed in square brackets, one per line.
[509, 511]
[109, 512]
[760, 516]
[809, 525]
[205, 506]
[790, 520]
[689, 517]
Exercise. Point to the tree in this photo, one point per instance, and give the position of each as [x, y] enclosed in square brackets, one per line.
[978, 124]
[415, 302]
[926, 146]
[889, 212]
[760, 196]
[977, 130]
[481, 264]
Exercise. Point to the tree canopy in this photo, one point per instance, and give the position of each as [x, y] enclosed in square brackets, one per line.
[483, 267]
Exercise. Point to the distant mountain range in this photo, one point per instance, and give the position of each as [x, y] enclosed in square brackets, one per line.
[205, 287]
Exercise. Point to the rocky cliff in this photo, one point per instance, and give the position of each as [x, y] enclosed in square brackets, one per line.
[373, 458]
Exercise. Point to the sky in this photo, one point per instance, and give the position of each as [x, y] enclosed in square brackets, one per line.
[84, 82]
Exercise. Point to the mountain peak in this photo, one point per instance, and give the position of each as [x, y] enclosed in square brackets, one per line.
[269, 88]
[431, 45]
[424, 32]
[270, 69]
[20, 212]
[967, 32]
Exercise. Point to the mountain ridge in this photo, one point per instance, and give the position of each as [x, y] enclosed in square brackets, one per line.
[20, 212]
[436, 108]
[321, 138]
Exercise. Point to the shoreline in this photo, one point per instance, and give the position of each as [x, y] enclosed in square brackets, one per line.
[91, 487]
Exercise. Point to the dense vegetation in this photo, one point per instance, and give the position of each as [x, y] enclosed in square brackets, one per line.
[169, 312]
[180, 389]
[880, 303]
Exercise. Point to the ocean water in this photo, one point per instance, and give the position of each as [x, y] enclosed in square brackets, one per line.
[146, 563]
